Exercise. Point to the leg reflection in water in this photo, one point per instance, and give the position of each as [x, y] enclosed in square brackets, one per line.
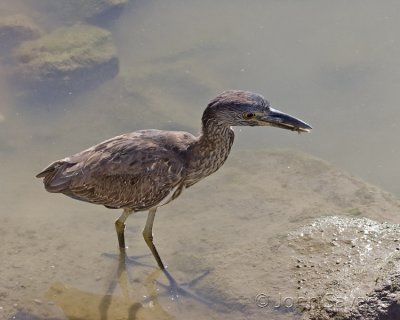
[152, 284]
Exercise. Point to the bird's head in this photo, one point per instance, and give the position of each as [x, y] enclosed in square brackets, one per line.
[244, 108]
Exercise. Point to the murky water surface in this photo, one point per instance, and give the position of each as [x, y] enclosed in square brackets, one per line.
[333, 64]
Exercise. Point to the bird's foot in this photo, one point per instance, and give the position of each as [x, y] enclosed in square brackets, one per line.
[132, 260]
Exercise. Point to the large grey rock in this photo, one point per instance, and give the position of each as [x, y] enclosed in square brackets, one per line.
[67, 60]
[383, 303]
[347, 268]
[244, 231]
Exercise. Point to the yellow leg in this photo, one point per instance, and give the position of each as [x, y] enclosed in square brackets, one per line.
[120, 227]
[148, 237]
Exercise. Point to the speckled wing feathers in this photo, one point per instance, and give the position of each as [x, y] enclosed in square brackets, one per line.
[135, 170]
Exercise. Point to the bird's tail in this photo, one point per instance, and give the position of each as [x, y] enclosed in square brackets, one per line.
[54, 179]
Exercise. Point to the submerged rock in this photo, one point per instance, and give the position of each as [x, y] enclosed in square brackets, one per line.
[256, 225]
[15, 30]
[99, 10]
[259, 264]
[67, 60]
[72, 11]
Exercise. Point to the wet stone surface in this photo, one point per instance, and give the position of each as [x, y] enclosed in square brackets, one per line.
[347, 268]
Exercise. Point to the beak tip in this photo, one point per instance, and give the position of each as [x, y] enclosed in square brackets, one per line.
[301, 126]
[306, 129]
[279, 119]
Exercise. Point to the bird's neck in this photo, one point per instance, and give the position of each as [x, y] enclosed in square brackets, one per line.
[215, 136]
[210, 150]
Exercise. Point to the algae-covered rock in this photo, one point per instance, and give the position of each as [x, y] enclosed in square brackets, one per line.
[16, 29]
[67, 60]
[98, 10]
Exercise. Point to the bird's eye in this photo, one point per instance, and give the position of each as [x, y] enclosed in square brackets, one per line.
[248, 115]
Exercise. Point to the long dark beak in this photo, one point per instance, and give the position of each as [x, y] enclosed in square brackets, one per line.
[282, 120]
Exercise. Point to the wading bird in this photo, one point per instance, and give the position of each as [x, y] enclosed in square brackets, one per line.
[146, 169]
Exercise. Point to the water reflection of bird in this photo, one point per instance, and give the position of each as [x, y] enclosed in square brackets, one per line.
[146, 169]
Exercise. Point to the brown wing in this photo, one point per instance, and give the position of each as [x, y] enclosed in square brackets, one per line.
[135, 170]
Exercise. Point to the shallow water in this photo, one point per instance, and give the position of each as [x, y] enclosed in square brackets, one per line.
[334, 65]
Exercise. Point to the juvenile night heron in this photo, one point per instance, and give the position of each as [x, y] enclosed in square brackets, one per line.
[146, 169]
